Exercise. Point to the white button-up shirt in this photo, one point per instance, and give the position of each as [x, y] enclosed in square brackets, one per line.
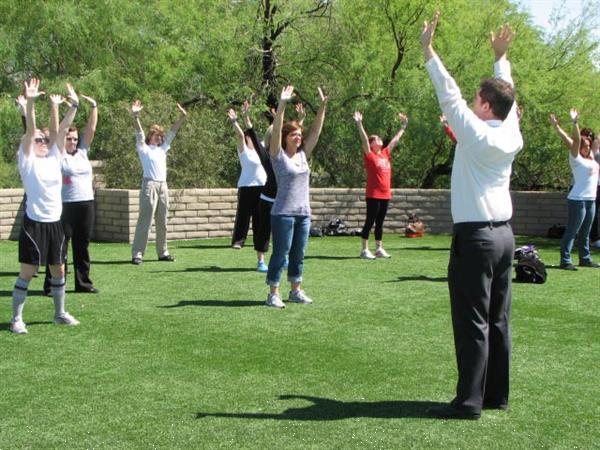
[484, 152]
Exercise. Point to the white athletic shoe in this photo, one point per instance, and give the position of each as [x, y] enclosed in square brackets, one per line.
[274, 301]
[366, 254]
[18, 327]
[595, 244]
[299, 297]
[66, 319]
[381, 253]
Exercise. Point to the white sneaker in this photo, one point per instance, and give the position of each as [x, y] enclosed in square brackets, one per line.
[299, 297]
[18, 327]
[366, 254]
[595, 244]
[274, 301]
[66, 319]
[381, 253]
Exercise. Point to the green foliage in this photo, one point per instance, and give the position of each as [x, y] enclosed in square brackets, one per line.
[365, 53]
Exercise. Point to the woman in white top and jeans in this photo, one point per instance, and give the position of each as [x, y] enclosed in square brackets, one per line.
[581, 198]
[290, 215]
[154, 195]
[250, 185]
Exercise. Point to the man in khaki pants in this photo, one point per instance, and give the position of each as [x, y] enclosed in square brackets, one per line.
[154, 195]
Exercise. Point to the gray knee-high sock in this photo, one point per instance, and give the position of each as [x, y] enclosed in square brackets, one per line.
[19, 296]
[57, 287]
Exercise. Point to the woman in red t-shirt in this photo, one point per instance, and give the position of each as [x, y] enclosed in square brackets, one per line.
[379, 176]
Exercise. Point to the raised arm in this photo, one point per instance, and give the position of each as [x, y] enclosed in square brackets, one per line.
[63, 128]
[301, 113]
[177, 125]
[246, 114]
[364, 139]
[315, 130]
[575, 134]
[394, 142]
[32, 92]
[21, 103]
[427, 37]
[136, 108]
[238, 130]
[447, 128]
[55, 101]
[596, 148]
[275, 144]
[562, 133]
[90, 127]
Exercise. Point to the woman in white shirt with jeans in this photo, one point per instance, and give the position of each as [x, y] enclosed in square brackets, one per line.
[581, 198]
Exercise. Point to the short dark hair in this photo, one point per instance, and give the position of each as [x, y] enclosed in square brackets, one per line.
[499, 94]
[588, 132]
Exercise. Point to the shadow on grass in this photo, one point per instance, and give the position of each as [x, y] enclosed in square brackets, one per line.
[427, 247]
[207, 246]
[6, 326]
[216, 269]
[330, 257]
[9, 274]
[328, 409]
[30, 293]
[226, 303]
[113, 262]
[418, 278]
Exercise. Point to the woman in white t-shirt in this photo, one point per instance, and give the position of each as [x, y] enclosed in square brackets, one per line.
[581, 198]
[41, 240]
[78, 214]
[154, 195]
[250, 185]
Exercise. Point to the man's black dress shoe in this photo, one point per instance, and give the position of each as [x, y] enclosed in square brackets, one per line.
[447, 411]
[91, 290]
[491, 405]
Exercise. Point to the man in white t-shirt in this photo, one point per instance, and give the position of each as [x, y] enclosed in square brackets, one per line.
[42, 238]
[480, 267]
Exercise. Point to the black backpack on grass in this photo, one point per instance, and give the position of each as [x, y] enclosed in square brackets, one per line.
[530, 268]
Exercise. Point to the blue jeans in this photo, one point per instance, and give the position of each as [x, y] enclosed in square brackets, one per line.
[290, 236]
[579, 222]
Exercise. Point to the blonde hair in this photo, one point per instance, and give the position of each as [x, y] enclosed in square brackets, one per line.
[155, 129]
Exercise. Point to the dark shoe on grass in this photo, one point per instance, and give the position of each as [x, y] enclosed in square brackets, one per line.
[567, 266]
[136, 261]
[448, 411]
[589, 264]
[168, 258]
[91, 290]
[492, 405]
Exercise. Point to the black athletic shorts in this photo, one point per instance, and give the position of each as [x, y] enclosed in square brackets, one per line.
[42, 243]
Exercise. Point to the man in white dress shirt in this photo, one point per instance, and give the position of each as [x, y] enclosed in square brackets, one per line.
[480, 267]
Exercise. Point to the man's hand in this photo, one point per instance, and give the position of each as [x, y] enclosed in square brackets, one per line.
[358, 117]
[427, 36]
[501, 41]
[553, 120]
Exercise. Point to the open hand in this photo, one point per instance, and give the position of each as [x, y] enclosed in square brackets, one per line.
[574, 115]
[403, 118]
[91, 101]
[501, 41]
[182, 110]
[300, 111]
[32, 89]
[72, 95]
[136, 107]
[553, 120]
[357, 116]
[429, 30]
[287, 93]
[232, 115]
[245, 107]
[56, 99]
[21, 102]
[323, 97]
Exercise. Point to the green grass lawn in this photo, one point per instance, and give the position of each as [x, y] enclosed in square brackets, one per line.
[186, 355]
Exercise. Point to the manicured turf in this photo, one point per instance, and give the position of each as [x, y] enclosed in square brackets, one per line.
[185, 355]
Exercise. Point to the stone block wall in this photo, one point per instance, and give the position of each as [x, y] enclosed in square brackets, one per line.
[210, 213]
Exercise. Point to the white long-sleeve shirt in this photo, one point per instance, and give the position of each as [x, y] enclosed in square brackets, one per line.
[154, 157]
[484, 152]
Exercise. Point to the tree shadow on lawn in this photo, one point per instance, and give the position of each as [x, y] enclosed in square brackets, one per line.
[6, 326]
[328, 409]
[426, 247]
[227, 303]
[207, 246]
[215, 269]
[329, 257]
[111, 262]
[30, 293]
[419, 278]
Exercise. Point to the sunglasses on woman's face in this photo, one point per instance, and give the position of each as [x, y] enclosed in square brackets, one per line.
[41, 140]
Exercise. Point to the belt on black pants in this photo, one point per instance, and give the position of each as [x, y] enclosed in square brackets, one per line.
[476, 225]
